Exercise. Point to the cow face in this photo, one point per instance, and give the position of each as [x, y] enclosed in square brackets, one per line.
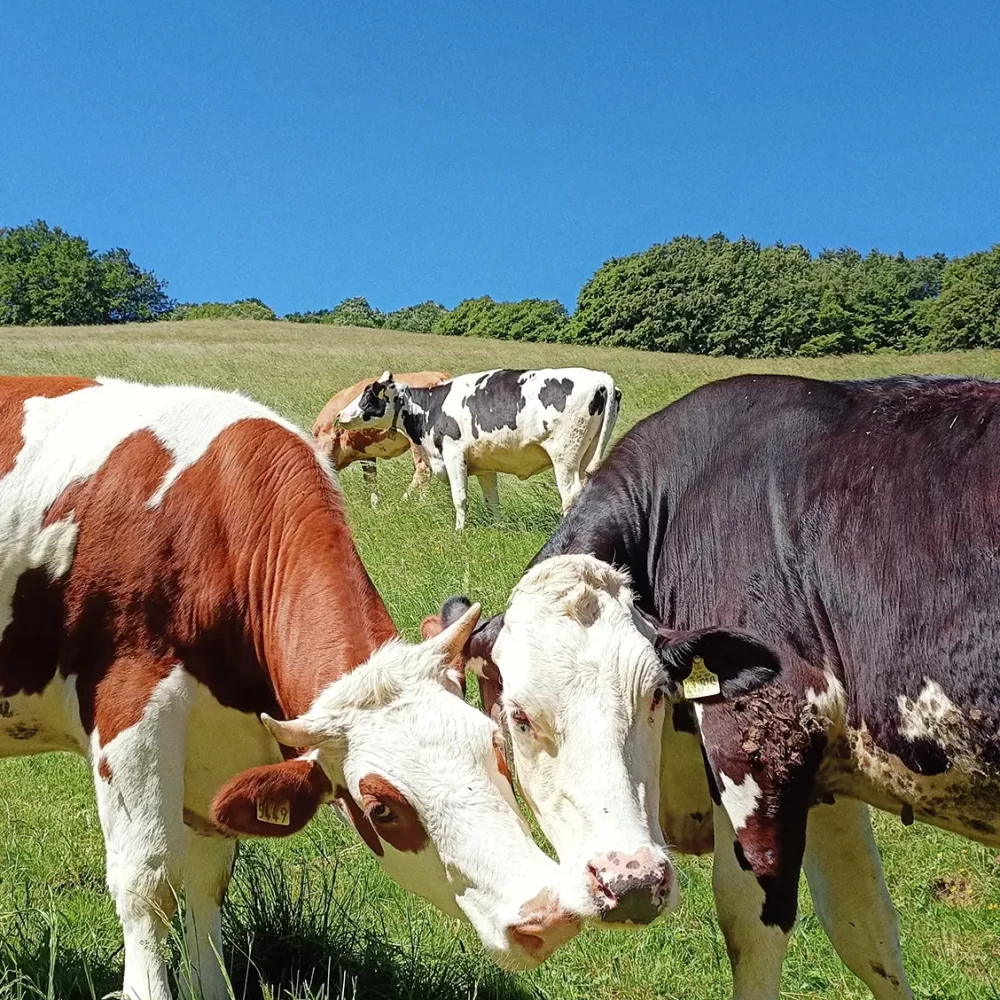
[586, 682]
[418, 773]
[377, 406]
[583, 701]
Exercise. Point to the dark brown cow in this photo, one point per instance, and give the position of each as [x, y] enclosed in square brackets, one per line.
[365, 445]
[175, 570]
[829, 550]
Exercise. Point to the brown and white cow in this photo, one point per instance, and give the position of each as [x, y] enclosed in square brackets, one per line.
[366, 444]
[810, 569]
[175, 575]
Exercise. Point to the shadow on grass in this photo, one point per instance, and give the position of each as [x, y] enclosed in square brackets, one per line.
[33, 962]
[288, 932]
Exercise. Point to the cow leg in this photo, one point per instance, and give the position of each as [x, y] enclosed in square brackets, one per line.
[207, 871]
[488, 481]
[763, 751]
[844, 872]
[421, 472]
[568, 479]
[458, 480]
[139, 779]
[369, 474]
[756, 947]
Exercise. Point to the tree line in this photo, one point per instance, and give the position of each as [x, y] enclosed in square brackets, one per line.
[711, 296]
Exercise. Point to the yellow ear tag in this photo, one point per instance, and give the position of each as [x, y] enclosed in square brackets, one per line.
[701, 682]
[275, 813]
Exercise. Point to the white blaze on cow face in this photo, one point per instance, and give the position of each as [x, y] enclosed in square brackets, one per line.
[423, 768]
[581, 697]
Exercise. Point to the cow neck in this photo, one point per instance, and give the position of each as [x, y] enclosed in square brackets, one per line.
[614, 520]
[416, 405]
[319, 615]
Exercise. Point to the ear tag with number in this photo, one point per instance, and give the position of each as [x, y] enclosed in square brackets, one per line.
[701, 682]
[275, 813]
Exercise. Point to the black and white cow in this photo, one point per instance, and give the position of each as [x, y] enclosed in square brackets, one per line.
[518, 422]
[852, 529]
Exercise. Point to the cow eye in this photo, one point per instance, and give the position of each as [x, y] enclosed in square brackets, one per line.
[520, 721]
[657, 699]
[381, 813]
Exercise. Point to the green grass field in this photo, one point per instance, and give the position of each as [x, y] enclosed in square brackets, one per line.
[313, 917]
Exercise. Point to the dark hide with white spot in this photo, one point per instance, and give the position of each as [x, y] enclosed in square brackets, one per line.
[853, 527]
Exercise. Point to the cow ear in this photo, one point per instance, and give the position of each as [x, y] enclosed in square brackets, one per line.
[275, 800]
[385, 377]
[739, 661]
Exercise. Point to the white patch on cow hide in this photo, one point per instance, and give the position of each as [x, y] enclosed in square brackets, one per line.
[739, 799]
[932, 716]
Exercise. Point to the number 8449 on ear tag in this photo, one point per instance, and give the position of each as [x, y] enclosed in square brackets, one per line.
[701, 682]
[275, 813]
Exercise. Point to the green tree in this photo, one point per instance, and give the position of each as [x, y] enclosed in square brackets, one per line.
[351, 312]
[967, 311]
[529, 319]
[49, 277]
[240, 309]
[131, 295]
[419, 318]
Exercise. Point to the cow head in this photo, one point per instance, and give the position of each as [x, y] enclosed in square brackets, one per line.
[378, 405]
[584, 681]
[418, 773]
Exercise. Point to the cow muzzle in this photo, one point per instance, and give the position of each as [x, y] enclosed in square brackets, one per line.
[632, 888]
[542, 927]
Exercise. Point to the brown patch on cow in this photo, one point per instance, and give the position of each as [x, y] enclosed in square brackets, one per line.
[14, 391]
[246, 561]
[120, 696]
[360, 821]
[954, 889]
[296, 787]
[400, 825]
[499, 748]
[104, 769]
[30, 645]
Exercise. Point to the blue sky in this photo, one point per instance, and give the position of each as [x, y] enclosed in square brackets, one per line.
[302, 152]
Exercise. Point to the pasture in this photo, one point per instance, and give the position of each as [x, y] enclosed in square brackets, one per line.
[312, 917]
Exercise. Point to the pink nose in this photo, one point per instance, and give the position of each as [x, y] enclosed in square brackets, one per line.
[630, 888]
[543, 926]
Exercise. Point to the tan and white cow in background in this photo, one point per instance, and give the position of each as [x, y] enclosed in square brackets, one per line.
[344, 447]
[175, 575]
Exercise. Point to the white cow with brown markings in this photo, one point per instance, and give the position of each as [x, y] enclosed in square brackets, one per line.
[176, 575]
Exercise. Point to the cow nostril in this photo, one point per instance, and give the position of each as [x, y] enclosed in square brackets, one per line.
[630, 888]
[528, 940]
[599, 886]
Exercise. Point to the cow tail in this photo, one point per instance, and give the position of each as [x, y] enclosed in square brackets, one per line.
[614, 396]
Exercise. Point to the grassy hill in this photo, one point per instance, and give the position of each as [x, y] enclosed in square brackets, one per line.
[313, 917]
